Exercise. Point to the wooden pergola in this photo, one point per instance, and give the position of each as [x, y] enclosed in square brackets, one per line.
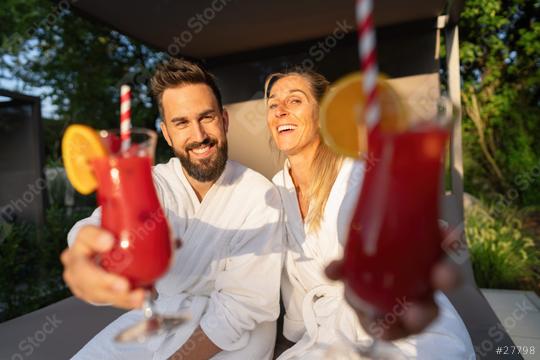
[241, 41]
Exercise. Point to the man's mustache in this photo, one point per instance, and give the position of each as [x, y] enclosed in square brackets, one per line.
[207, 141]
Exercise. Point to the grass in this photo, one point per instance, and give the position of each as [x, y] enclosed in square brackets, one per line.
[503, 254]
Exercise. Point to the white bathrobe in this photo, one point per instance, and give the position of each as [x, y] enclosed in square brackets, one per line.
[226, 274]
[315, 306]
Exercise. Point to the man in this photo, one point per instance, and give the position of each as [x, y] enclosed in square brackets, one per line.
[228, 217]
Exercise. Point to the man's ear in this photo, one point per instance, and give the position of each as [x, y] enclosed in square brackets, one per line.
[165, 132]
[225, 116]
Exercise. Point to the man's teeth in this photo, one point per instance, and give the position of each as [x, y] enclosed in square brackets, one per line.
[286, 127]
[201, 150]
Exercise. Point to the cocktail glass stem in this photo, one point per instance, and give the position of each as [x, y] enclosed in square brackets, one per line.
[153, 323]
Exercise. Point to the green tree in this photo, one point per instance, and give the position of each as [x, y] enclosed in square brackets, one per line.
[500, 57]
[80, 64]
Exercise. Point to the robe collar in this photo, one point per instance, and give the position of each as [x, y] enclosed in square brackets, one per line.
[199, 205]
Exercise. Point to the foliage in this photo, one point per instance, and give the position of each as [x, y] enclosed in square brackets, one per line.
[78, 63]
[52, 133]
[500, 52]
[502, 254]
[30, 268]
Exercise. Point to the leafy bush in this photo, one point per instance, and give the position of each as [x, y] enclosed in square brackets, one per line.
[30, 268]
[52, 135]
[502, 255]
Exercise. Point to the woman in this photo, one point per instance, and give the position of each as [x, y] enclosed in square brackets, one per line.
[319, 191]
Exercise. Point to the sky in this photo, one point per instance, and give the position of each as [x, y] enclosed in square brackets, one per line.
[47, 109]
[9, 82]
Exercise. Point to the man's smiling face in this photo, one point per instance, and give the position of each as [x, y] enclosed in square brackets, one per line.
[196, 127]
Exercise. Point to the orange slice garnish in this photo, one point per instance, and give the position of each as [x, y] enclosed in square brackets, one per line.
[80, 145]
[342, 112]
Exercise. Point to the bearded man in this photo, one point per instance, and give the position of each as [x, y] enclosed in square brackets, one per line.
[229, 218]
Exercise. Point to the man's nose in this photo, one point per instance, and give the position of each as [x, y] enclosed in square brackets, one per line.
[198, 134]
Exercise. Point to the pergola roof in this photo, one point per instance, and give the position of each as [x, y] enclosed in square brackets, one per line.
[214, 28]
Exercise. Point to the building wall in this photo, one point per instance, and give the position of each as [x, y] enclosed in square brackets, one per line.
[22, 185]
[408, 54]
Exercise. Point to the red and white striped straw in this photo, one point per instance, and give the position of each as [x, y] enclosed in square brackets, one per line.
[125, 117]
[367, 51]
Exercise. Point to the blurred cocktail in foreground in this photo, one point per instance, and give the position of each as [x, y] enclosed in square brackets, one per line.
[130, 209]
[394, 238]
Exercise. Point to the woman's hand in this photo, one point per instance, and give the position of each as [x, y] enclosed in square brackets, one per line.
[412, 318]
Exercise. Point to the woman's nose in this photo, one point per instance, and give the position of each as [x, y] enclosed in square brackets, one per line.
[281, 111]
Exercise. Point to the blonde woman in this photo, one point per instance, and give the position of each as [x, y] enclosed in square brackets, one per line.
[319, 190]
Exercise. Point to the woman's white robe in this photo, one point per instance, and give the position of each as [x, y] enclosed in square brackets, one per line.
[314, 305]
[226, 274]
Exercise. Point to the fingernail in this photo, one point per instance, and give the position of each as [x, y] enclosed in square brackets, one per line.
[105, 240]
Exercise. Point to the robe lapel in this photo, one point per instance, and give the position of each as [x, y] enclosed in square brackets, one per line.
[195, 259]
[296, 226]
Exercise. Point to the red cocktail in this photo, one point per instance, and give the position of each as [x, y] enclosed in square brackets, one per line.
[394, 237]
[131, 211]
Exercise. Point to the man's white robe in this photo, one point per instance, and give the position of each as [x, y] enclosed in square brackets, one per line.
[314, 306]
[226, 274]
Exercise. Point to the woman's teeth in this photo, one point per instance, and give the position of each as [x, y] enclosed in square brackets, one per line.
[286, 127]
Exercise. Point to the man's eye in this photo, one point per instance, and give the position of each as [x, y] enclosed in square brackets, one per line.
[272, 106]
[207, 117]
[181, 123]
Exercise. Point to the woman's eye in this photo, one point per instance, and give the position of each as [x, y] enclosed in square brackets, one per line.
[272, 106]
[295, 101]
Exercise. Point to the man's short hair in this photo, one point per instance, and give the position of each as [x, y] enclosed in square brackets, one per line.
[177, 72]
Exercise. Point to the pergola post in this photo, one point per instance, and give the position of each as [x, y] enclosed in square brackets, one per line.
[454, 92]
[480, 319]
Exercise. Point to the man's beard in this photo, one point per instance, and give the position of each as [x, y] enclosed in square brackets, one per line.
[205, 170]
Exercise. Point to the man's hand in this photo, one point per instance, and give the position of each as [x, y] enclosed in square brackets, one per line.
[416, 317]
[87, 280]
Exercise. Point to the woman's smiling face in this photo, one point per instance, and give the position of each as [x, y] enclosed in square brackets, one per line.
[292, 114]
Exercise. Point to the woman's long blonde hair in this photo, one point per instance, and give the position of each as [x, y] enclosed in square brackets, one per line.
[326, 164]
